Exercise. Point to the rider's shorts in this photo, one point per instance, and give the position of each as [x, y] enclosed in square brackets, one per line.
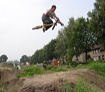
[46, 19]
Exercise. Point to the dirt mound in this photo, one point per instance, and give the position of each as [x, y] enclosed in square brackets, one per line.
[55, 82]
[9, 80]
[51, 82]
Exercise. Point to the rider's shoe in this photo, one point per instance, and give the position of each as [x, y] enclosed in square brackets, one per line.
[44, 29]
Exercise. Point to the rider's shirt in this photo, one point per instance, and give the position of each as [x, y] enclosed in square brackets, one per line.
[51, 14]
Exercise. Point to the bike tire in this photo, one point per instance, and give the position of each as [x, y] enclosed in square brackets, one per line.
[37, 27]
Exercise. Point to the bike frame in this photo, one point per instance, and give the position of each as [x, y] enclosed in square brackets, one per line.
[45, 25]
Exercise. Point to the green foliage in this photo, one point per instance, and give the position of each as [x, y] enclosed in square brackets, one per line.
[35, 70]
[74, 64]
[2, 89]
[68, 88]
[82, 86]
[31, 70]
[60, 48]
[45, 66]
[50, 48]
[45, 54]
[3, 58]
[13, 90]
[7, 64]
[49, 67]
[69, 55]
[88, 56]
[56, 69]
[97, 18]
[24, 59]
[98, 67]
[37, 57]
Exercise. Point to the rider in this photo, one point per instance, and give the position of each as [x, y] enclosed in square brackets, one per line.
[46, 18]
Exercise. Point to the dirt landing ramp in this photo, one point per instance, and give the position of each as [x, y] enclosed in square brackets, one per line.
[55, 82]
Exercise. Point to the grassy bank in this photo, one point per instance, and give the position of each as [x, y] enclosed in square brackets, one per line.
[35, 70]
[99, 67]
[80, 86]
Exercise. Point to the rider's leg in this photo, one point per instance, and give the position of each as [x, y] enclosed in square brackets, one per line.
[49, 22]
[46, 20]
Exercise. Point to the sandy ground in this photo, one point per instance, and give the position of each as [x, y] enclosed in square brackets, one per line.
[39, 83]
[50, 82]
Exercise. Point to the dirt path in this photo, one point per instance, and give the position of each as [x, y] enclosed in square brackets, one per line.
[53, 81]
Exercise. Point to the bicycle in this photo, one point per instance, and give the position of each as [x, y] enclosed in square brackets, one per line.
[42, 26]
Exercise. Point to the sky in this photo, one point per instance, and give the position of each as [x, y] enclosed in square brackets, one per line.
[17, 17]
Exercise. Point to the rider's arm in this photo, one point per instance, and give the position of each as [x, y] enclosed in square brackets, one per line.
[47, 13]
[58, 20]
[53, 15]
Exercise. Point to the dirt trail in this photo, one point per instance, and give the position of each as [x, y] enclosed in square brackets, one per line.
[53, 82]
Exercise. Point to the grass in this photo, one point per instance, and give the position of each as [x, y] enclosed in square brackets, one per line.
[35, 70]
[57, 69]
[98, 66]
[31, 70]
[2, 89]
[68, 88]
[80, 86]
[9, 65]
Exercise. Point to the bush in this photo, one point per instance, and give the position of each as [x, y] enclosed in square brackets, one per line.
[45, 66]
[98, 67]
[2, 89]
[49, 67]
[68, 88]
[10, 65]
[74, 64]
[31, 70]
[58, 69]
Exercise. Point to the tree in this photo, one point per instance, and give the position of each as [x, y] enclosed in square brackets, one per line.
[38, 56]
[50, 50]
[80, 38]
[3, 58]
[24, 59]
[97, 18]
[60, 48]
[44, 54]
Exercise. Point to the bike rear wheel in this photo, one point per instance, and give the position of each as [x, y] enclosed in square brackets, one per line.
[37, 27]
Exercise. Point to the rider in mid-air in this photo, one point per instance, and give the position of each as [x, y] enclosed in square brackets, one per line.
[46, 18]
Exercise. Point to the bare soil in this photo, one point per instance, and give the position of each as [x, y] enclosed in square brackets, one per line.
[51, 82]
